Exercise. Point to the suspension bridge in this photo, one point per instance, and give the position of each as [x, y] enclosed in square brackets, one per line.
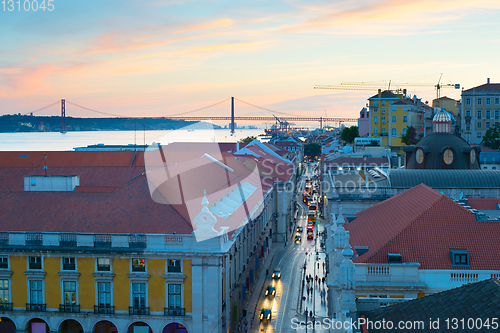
[85, 112]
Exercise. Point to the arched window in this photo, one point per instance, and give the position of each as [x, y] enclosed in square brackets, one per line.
[404, 130]
[394, 132]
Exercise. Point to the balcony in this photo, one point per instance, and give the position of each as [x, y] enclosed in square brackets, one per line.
[73, 308]
[5, 306]
[35, 307]
[138, 310]
[387, 274]
[104, 309]
[175, 312]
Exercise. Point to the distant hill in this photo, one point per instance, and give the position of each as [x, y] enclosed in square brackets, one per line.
[20, 123]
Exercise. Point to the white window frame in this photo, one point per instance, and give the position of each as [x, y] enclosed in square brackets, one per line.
[479, 101]
[9, 288]
[168, 283]
[34, 269]
[181, 264]
[110, 265]
[77, 300]
[8, 262]
[392, 131]
[103, 280]
[66, 270]
[467, 101]
[146, 290]
[145, 265]
[488, 101]
[37, 278]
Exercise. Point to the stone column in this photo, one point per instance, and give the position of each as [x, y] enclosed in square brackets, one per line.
[197, 294]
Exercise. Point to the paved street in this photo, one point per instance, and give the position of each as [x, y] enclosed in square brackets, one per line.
[287, 306]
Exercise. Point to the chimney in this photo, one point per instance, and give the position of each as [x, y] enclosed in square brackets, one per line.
[488, 81]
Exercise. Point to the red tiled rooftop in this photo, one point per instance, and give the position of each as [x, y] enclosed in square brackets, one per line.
[422, 225]
[70, 158]
[484, 203]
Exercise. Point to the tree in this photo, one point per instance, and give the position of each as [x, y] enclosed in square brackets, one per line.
[349, 134]
[492, 137]
[312, 149]
[410, 138]
[248, 139]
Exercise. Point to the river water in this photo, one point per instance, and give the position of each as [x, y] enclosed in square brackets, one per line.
[55, 141]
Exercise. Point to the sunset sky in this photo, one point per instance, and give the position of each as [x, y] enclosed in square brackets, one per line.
[159, 58]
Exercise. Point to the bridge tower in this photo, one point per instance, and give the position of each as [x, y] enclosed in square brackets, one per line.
[232, 115]
[63, 116]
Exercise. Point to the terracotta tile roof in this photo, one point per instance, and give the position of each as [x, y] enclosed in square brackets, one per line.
[485, 149]
[70, 158]
[485, 87]
[128, 210]
[386, 94]
[287, 144]
[12, 178]
[422, 225]
[117, 199]
[484, 203]
[444, 98]
[480, 300]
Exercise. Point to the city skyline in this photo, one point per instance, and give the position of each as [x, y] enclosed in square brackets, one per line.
[166, 57]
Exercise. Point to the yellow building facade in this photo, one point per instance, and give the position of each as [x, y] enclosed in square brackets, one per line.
[95, 292]
[390, 116]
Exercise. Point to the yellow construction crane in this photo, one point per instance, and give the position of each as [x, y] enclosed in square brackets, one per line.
[386, 85]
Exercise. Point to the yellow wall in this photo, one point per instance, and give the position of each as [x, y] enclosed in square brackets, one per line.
[121, 284]
[18, 281]
[396, 296]
[156, 294]
[86, 296]
[188, 286]
[420, 295]
[52, 266]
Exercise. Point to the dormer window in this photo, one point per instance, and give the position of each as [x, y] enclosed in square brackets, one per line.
[459, 258]
[394, 258]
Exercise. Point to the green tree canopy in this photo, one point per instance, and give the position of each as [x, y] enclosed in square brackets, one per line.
[312, 149]
[248, 139]
[349, 134]
[410, 138]
[492, 137]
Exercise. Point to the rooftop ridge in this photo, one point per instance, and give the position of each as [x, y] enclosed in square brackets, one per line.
[442, 196]
[434, 295]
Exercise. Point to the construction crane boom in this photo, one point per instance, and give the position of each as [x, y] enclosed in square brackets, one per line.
[373, 85]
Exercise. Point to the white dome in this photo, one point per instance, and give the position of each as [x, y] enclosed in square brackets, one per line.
[442, 117]
[442, 122]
